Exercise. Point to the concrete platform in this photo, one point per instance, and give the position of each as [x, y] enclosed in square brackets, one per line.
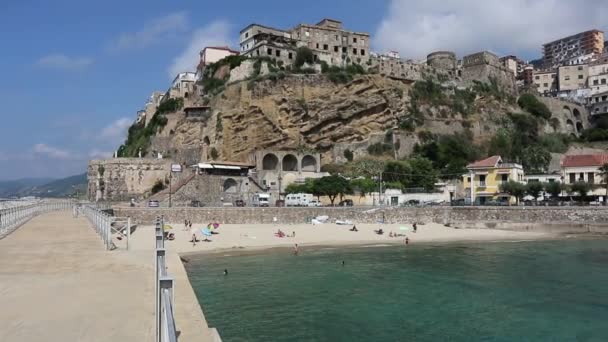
[58, 283]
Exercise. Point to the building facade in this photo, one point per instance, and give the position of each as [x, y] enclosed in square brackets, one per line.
[545, 81]
[152, 104]
[563, 50]
[210, 55]
[572, 77]
[182, 85]
[598, 104]
[585, 168]
[483, 181]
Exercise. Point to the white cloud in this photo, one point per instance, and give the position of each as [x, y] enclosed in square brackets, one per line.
[65, 63]
[153, 32]
[116, 131]
[51, 152]
[416, 28]
[216, 33]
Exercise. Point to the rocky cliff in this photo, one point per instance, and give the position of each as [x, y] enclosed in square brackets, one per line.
[310, 112]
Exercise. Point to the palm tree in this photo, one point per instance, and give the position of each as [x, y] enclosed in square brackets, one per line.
[604, 174]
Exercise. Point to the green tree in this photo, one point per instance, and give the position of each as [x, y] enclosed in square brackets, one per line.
[303, 55]
[604, 174]
[581, 188]
[535, 159]
[423, 175]
[397, 172]
[534, 189]
[332, 186]
[214, 153]
[554, 189]
[364, 186]
[513, 188]
[534, 106]
[295, 188]
[501, 144]
[366, 167]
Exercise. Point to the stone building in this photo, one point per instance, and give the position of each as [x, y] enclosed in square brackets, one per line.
[210, 55]
[182, 86]
[444, 60]
[545, 81]
[598, 75]
[598, 104]
[486, 67]
[277, 169]
[328, 40]
[152, 104]
[572, 77]
[390, 65]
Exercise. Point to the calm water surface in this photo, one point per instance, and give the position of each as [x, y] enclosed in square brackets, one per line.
[519, 291]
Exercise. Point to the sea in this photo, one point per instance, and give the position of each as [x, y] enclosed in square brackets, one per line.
[490, 291]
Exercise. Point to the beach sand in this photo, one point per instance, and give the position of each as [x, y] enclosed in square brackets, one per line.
[251, 237]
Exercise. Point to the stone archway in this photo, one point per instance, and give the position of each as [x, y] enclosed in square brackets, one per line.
[570, 125]
[579, 127]
[309, 164]
[290, 163]
[566, 111]
[270, 162]
[576, 113]
[231, 186]
[206, 141]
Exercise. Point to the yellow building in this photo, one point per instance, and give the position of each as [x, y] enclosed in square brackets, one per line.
[482, 183]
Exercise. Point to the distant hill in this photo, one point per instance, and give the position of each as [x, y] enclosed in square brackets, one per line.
[44, 187]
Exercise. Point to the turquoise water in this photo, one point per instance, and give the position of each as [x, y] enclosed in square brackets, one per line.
[524, 291]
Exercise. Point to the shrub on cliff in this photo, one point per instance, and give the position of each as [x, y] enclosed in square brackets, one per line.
[534, 106]
[303, 55]
[158, 187]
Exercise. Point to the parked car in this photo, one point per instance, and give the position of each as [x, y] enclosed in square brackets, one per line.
[153, 204]
[314, 203]
[346, 203]
[239, 203]
[196, 204]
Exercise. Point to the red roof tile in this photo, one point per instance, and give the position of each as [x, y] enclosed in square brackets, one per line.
[488, 162]
[583, 160]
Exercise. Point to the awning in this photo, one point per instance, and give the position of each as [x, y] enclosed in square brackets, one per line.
[226, 167]
[205, 166]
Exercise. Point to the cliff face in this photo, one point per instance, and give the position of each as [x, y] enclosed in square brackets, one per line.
[309, 112]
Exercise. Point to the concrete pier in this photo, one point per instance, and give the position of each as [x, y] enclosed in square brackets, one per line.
[58, 283]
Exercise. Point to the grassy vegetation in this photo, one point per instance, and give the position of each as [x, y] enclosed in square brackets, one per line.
[534, 106]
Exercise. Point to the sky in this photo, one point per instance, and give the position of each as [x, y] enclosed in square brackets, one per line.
[75, 73]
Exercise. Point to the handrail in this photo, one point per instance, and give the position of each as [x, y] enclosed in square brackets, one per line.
[165, 319]
[101, 221]
[14, 217]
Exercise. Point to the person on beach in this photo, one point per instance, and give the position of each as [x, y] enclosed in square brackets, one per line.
[190, 224]
[354, 229]
[415, 227]
[296, 249]
[193, 240]
[407, 241]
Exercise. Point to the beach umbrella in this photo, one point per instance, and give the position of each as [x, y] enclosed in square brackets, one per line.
[206, 232]
[167, 227]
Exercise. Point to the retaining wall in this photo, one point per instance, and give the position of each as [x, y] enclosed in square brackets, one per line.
[514, 218]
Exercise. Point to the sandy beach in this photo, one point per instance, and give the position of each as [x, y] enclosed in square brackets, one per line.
[250, 237]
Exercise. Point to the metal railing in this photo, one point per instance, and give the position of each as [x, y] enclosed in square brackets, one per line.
[13, 218]
[101, 221]
[165, 319]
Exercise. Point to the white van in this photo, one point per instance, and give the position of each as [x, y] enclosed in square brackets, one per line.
[261, 200]
[298, 200]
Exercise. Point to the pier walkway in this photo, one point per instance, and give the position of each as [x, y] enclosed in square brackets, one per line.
[58, 283]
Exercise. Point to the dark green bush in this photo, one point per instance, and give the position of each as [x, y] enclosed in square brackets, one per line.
[303, 55]
[534, 106]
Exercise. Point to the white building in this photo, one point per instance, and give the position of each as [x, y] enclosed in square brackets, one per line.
[182, 85]
[585, 168]
[543, 178]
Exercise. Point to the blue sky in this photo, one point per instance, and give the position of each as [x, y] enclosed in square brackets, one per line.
[74, 73]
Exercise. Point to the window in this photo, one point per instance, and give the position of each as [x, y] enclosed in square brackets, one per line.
[581, 177]
[482, 180]
[580, 77]
[572, 178]
[337, 38]
[504, 178]
[257, 52]
[290, 55]
[317, 45]
[315, 57]
[362, 41]
[336, 49]
[603, 81]
[580, 68]
[343, 49]
[246, 34]
[537, 77]
[362, 52]
[604, 98]
[354, 51]
[354, 39]
[269, 52]
[552, 75]
[590, 177]
[545, 85]
[595, 82]
[325, 47]
[278, 53]
[567, 78]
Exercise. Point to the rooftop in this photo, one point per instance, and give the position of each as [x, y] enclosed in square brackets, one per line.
[485, 163]
[574, 35]
[583, 160]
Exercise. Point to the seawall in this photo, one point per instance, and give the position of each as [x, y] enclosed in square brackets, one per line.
[562, 219]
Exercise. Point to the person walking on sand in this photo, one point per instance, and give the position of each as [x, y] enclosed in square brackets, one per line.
[296, 249]
[415, 227]
[407, 241]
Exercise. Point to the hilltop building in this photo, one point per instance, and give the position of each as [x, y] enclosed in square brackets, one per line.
[210, 55]
[328, 40]
[561, 51]
[182, 86]
[152, 104]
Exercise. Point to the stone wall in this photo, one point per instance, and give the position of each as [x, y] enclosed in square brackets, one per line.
[213, 190]
[516, 218]
[121, 179]
[484, 67]
[572, 118]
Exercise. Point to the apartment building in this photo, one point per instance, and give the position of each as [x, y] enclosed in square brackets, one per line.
[572, 77]
[585, 168]
[545, 81]
[562, 50]
[483, 181]
[598, 104]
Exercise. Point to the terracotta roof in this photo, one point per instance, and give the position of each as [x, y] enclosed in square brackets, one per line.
[583, 160]
[485, 163]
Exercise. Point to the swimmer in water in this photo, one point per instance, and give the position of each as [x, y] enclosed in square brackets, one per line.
[225, 272]
[295, 249]
[342, 262]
